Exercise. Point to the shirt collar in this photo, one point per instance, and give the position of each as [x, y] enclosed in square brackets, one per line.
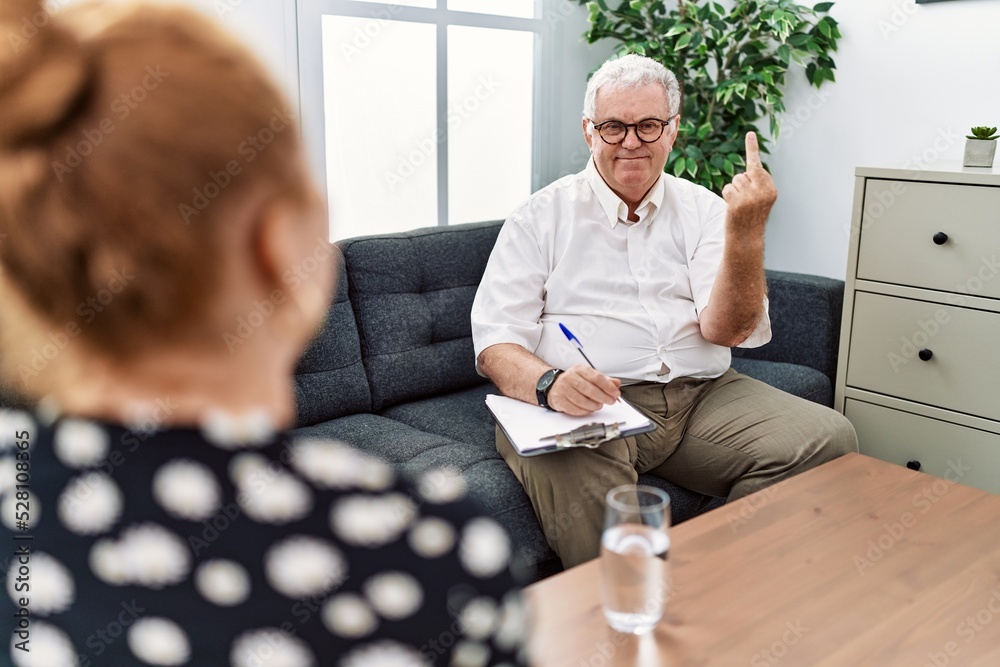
[614, 208]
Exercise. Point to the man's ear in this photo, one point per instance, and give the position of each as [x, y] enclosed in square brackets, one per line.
[586, 135]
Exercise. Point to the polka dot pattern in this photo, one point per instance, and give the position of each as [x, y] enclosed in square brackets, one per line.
[270, 647]
[10, 511]
[485, 548]
[223, 582]
[301, 566]
[432, 537]
[443, 485]
[332, 465]
[470, 654]
[479, 618]
[13, 422]
[395, 595]
[348, 615]
[158, 641]
[236, 431]
[384, 654]
[137, 548]
[187, 490]
[372, 521]
[270, 493]
[146, 555]
[90, 504]
[50, 647]
[80, 443]
[52, 587]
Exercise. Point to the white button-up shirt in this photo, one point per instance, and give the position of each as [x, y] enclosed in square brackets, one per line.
[631, 292]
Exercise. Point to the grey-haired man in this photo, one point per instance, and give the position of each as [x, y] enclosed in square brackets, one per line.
[659, 277]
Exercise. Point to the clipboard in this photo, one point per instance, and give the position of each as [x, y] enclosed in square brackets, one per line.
[533, 430]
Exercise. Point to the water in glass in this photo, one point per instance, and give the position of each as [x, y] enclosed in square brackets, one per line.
[635, 567]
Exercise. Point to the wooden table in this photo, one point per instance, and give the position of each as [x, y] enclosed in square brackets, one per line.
[857, 562]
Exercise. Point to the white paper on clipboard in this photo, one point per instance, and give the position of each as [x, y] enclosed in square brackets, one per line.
[528, 425]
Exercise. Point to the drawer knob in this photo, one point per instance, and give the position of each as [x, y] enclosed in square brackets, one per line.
[913, 465]
[925, 354]
[940, 238]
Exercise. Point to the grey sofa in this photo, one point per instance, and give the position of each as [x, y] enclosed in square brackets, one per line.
[393, 373]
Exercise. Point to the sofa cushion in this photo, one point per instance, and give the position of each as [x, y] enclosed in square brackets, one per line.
[805, 322]
[330, 379]
[463, 416]
[491, 485]
[460, 415]
[802, 381]
[412, 294]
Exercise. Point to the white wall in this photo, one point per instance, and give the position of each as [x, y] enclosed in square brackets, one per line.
[266, 26]
[911, 81]
[573, 60]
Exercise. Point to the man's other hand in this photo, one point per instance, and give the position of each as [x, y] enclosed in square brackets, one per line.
[752, 194]
[580, 390]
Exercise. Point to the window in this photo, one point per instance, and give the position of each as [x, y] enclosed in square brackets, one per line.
[421, 112]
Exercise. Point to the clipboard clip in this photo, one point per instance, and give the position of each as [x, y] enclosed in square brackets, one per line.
[588, 435]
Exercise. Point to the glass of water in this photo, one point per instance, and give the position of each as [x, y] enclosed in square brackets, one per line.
[635, 574]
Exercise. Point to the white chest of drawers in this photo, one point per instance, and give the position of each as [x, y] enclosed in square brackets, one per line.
[919, 367]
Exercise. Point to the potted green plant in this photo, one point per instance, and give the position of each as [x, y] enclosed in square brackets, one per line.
[980, 147]
[731, 63]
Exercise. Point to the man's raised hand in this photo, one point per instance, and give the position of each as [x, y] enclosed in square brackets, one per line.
[751, 195]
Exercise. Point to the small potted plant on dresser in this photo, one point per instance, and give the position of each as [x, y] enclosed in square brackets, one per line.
[980, 147]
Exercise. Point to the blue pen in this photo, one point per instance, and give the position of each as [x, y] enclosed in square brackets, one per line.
[576, 341]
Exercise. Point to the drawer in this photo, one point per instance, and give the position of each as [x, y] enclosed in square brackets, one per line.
[963, 374]
[943, 449]
[898, 224]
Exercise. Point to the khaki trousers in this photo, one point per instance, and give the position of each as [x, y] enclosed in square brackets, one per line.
[727, 437]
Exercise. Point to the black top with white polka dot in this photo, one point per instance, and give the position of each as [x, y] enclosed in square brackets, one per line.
[234, 546]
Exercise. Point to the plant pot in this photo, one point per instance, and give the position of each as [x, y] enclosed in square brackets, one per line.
[979, 152]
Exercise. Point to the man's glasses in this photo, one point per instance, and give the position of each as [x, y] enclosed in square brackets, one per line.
[647, 130]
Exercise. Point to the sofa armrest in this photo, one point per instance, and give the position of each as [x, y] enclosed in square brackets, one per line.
[805, 322]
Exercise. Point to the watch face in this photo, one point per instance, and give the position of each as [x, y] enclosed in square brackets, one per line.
[546, 380]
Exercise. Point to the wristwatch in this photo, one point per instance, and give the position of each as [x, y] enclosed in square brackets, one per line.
[544, 385]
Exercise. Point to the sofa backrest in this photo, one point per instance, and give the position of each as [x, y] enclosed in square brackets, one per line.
[330, 378]
[805, 322]
[412, 296]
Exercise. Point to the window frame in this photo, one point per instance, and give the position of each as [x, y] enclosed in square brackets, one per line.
[311, 92]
